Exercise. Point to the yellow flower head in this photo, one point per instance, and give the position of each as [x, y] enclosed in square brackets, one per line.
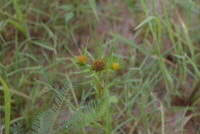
[82, 58]
[115, 65]
[98, 65]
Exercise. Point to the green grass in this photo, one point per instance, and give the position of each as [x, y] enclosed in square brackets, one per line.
[155, 91]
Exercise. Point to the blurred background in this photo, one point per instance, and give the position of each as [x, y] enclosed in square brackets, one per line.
[34, 35]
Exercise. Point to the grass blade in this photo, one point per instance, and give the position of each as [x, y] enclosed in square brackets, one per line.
[17, 25]
[18, 11]
[130, 42]
[7, 104]
[43, 45]
[94, 9]
[145, 21]
[18, 93]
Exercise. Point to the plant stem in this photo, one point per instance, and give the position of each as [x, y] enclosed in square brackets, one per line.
[7, 104]
[107, 114]
[99, 86]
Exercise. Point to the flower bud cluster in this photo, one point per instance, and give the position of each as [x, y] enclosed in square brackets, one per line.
[97, 64]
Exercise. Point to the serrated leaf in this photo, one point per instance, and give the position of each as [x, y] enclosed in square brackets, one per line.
[113, 99]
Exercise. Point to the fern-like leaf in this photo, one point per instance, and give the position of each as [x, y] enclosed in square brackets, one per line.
[90, 113]
[40, 123]
[16, 129]
[48, 122]
[60, 106]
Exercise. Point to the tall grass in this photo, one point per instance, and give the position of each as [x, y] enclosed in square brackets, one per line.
[157, 40]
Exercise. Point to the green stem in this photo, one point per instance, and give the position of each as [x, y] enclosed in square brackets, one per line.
[99, 86]
[7, 104]
[107, 76]
[107, 114]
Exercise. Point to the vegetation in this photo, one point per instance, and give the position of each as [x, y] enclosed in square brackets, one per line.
[120, 67]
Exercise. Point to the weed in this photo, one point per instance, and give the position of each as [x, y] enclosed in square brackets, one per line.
[128, 81]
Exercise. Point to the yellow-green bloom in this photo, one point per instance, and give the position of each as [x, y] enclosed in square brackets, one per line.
[115, 66]
[98, 65]
[82, 59]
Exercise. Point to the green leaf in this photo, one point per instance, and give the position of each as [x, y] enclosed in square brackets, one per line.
[123, 81]
[43, 45]
[67, 7]
[195, 66]
[94, 8]
[145, 21]
[130, 42]
[46, 75]
[47, 85]
[18, 11]
[113, 99]
[68, 17]
[17, 25]
[39, 11]
[18, 93]
[84, 71]
[21, 69]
